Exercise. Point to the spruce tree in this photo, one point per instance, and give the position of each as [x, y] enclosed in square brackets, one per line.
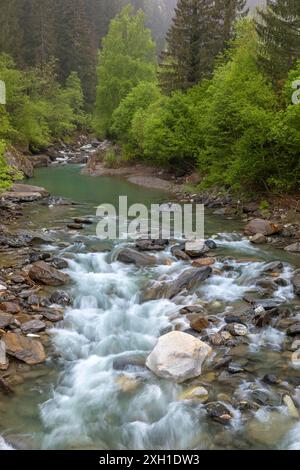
[11, 36]
[228, 11]
[76, 44]
[200, 31]
[278, 28]
[37, 22]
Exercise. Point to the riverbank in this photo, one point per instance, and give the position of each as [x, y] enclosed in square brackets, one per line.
[282, 212]
[29, 305]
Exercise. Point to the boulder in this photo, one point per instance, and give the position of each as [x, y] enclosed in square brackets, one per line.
[52, 315]
[58, 263]
[151, 245]
[75, 226]
[42, 273]
[25, 193]
[211, 244]
[180, 255]
[10, 307]
[235, 368]
[25, 349]
[40, 161]
[250, 207]
[38, 300]
[197, 263]
[267, 304]
[193, 309]
[296, 282]
[262, 317]
[22, 238]
[219, 412]
[19, 161]
[198, 322]
[263, 227]
[33, 326]
[196, 248]
[267, 283]
[5, 320]
[37, 256]
[271, 379]
[189, 279]
[265, 397]
[178, 356]
[294, 330]
[130, 256]
[60, 298]
[293, 248]
[236, 329]
[258, 239]
[273, 267]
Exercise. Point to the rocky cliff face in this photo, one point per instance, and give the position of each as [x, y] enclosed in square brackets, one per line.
[19, 161]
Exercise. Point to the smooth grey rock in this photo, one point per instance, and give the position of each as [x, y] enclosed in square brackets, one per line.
[178, 356]
[130, 256]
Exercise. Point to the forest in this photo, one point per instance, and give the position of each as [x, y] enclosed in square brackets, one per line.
[191, 85]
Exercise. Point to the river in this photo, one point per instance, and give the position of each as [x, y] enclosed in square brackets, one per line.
[85, 398]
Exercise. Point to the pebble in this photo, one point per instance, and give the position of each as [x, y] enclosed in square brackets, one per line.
[271, 379]
[235, 368]
[219, 412]
[195, 393]
[237, 329]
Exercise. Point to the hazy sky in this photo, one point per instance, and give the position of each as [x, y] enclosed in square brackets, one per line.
[254, 3]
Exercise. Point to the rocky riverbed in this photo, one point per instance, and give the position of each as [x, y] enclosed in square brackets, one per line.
[154, 344]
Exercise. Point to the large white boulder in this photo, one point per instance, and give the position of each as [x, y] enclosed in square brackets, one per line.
[178, 356]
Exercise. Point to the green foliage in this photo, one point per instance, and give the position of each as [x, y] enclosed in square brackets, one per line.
[234, 128]
[279, 39]
[264, 205]
[165, 132]
[110, 159]
[127, 58]
[249, 142]
[200, 31]
[139, 99]
[38, 109]
[239, 111]
[5, 171]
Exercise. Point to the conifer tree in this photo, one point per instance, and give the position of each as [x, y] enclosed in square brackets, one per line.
[278, 28]
[200, 31]
[37, 22]
[10, 31]
[76, 44]
[228, 11]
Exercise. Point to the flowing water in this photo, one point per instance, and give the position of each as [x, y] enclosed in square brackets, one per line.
[96, 393]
